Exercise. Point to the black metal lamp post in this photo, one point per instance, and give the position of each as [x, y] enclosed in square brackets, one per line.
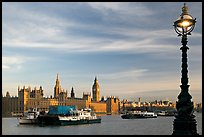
[184, 122]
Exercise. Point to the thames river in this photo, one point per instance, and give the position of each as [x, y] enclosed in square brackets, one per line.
[110, 125]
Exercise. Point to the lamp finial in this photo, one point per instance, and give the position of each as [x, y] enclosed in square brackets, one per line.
[184, 10]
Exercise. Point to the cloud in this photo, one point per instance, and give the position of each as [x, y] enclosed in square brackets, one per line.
[41, 30]
[5, 67]
[124, 74]
[16, 62]
[130, 9]
[12, 62]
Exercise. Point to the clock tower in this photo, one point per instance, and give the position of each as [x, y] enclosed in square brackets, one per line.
[96, 91]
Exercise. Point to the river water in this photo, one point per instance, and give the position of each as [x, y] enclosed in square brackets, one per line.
[110, 125]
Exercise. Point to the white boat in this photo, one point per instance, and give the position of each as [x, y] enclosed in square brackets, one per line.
[139, 114]
[29, 117]
[84, 116]
[74, 117]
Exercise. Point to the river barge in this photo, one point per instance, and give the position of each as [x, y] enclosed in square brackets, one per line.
[68, 115]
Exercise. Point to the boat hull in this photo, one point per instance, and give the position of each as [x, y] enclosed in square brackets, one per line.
[166, 115]
[27, 121]
[137, 116]
[54, 120]
[78, 122]
[48, 120]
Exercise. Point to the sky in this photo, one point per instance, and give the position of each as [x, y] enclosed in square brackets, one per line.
[131, 47]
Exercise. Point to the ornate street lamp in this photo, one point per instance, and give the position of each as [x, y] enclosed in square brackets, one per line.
[184, 122]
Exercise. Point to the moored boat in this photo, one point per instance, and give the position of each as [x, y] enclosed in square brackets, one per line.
[69, 116]
[84, 116]
[138, 114]
[29, 117]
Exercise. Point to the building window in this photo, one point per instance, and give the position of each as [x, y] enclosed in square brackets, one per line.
[114, 100]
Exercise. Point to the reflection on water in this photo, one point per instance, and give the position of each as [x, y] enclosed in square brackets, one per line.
[110, 125]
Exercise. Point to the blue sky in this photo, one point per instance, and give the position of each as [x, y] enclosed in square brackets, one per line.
[132, 48]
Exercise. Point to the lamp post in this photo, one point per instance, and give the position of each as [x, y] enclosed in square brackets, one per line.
[184, 122]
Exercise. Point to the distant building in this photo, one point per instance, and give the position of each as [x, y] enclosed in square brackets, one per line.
[197, 107]
[126, 105]
[9, 105]
[113, 105]
[28, 98]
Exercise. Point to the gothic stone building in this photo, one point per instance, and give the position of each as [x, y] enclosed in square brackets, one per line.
[28, 98]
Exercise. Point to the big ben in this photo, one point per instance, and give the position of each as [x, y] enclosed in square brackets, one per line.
[96, 91]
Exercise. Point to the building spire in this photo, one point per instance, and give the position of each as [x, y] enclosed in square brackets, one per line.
[57, 88]
[72, 93]
[95, 79]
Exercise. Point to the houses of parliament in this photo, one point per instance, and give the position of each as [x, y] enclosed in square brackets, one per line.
[28, 98]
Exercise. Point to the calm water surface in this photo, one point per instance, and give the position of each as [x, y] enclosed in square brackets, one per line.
[110, 125]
